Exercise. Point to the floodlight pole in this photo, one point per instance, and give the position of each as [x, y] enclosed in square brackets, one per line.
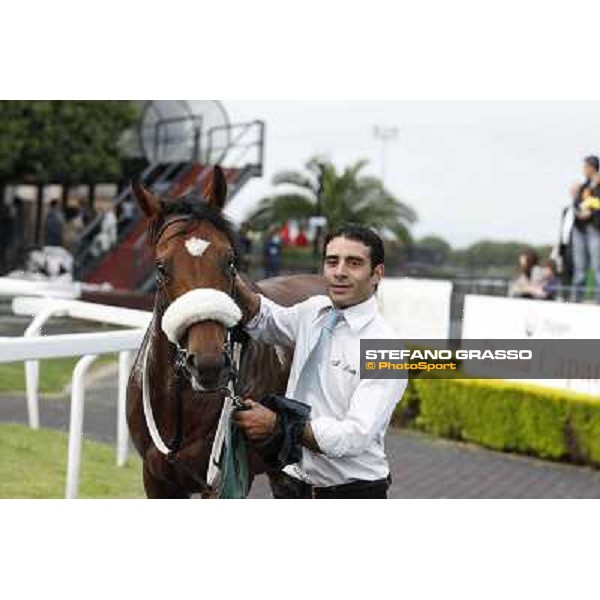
[318, 214]
[384, 135]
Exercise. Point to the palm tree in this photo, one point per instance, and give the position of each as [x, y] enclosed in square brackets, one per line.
[339, 197]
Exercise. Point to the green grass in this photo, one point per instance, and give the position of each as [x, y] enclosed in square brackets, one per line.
[55, 373]
[33, 464]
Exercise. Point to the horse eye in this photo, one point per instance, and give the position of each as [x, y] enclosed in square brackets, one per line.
[162, 270]
[229, 265]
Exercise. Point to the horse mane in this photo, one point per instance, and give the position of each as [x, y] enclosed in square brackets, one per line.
[199, 210]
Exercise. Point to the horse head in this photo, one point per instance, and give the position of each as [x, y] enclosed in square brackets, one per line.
[196, 257]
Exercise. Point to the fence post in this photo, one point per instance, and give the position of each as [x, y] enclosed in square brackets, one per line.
[122, 430]
[32, 367]
[32, 372]
[76, 425]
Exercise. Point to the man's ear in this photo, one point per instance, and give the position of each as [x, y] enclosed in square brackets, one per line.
[378, 273]
[149, 203]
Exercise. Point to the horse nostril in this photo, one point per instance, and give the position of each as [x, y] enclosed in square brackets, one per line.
[190, 361]
[209, 371]
[214, 366]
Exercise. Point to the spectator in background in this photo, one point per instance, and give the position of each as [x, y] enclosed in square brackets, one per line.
[301, 240]
[17, 245]
[6, 230]
[86, 211]
[548, 287]
[272, 251]
[73, 228]
[127, 214]
[107, 237]
[563, 251]
[284, 234]
[586, 228]
[55, 222]
[529, 277]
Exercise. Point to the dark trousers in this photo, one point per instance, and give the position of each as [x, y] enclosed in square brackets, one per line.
[290, 488]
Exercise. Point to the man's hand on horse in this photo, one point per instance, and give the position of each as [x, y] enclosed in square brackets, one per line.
[248, 300]
[256, 421]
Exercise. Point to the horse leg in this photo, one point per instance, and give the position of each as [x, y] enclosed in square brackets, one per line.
[161, 488]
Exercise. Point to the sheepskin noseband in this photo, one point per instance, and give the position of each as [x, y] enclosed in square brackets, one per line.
[199, 305]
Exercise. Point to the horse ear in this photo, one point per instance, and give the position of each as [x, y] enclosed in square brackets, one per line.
[149, 203]
[216, 191]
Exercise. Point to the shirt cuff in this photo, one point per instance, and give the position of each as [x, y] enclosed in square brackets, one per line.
[256, 319]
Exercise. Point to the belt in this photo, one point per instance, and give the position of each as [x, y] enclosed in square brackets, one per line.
[332, 491]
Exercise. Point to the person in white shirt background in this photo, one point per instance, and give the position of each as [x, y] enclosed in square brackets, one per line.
[343, 453]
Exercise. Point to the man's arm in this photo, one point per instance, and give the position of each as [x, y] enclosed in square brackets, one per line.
[371, 408]
[258, 423]
[264, 319]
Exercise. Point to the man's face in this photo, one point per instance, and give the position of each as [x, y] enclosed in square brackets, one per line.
[348, 273]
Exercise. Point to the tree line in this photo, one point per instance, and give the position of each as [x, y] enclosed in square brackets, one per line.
[63, 141]
[482, 254]
[342, 195]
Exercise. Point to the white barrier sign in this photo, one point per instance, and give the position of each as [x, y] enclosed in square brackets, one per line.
[416, 308]
[492, 318]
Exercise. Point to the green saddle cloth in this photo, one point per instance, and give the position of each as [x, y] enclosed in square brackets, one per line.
[235, 476]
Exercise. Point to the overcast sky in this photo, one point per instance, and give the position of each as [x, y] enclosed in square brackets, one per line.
[472, 170]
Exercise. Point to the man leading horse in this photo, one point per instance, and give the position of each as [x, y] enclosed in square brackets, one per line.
[342, 454]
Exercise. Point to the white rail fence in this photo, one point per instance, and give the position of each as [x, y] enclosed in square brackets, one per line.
[32, 347]
[45, 308]
[55, 289]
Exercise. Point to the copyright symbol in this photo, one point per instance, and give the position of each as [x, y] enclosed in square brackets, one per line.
[370, 366]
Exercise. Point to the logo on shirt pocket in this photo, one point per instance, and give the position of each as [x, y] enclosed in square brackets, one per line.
[336, 362]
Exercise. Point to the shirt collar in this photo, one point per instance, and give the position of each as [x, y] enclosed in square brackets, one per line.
[357, 316]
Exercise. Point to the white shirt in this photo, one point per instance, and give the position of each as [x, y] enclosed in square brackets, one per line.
[349, 415]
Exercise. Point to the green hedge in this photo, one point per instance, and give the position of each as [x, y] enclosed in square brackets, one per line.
[513, 417]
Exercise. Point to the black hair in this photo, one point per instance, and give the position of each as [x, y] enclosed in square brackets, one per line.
[531, 260]
[198, 210]
[593, 162]
[359, 233]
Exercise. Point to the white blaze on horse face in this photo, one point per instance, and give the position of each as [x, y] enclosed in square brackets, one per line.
[196, 246]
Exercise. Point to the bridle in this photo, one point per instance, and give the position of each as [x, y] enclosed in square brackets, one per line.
[232, 351]
[181, 353]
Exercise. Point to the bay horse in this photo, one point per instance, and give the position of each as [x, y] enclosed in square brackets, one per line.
[177, 385]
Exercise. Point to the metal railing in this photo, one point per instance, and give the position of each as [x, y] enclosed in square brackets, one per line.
[245, 137]
[32, 347]
[89, 346]
[161, 178]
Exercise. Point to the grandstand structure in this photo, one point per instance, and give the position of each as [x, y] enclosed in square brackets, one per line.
[180, 141]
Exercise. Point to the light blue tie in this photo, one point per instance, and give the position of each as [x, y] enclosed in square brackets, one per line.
[308, 378]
